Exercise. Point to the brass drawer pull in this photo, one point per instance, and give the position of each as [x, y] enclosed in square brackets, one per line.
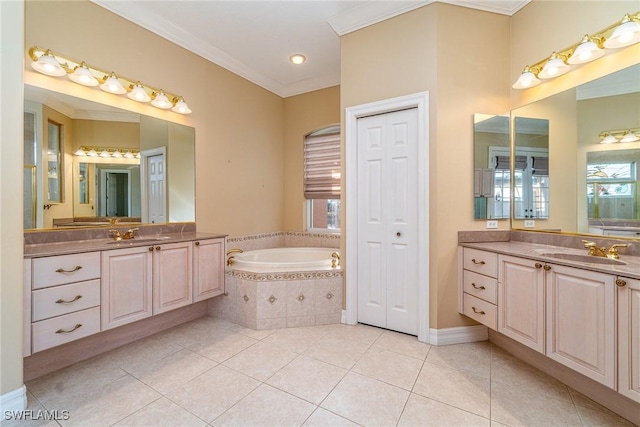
[62, 270]
[62, 331]
[272, 299]
[245, 298]
[547, 267]
[621, 283]
[197, 243]
[62, 301]
[477, 311]
[300, 297]
[477, 262]
[329, 295]
[478, 287]
[538, 265]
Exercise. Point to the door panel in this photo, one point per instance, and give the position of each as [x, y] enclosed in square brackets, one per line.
[387, 220]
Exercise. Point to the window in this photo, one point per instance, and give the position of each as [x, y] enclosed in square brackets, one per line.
[322, 179]
[611, 190]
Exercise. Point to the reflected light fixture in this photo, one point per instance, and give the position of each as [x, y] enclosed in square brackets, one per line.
[80, 152]
[52, 64]
[128, 155]
[625, 34]
[92, 153]
[297, 58]
[624, 135]
[106, 152]
[47, 64]
[526, 79]
[160, 100]
[608, 139]
[82, 75]
[117, 154]
[138, 93]
[588, 50]
[112, 85]
[620, 34]
[630, 137]
[554, 67]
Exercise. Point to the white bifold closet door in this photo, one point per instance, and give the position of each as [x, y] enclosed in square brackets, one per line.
[387, 211]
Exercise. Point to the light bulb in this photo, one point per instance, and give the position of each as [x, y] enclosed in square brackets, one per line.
[297, 58]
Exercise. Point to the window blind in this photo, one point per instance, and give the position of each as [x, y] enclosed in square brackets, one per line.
[503, 162]
[541, 166]
[322, 167]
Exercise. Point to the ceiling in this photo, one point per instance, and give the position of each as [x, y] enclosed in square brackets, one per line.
[254, 39]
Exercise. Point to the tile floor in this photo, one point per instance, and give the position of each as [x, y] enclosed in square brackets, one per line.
[212, 372]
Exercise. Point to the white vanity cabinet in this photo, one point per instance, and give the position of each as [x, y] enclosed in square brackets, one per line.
[580, 321]
[208, 268]
[629, 337]
[521, 300]
[479, 286]
[65, 299]
[172, 276]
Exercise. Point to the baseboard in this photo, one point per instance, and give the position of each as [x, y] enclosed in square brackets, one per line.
[15, 400]
[458, 335]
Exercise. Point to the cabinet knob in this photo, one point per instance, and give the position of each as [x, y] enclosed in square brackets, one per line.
[538, 265]
[158, 248]
[621, 282]
[197, 243]
[547, 267]
[151, 249]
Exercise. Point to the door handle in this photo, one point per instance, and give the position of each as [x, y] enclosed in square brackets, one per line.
[398, 234]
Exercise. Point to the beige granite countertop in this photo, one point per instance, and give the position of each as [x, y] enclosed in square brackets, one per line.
[79, 246]
[536, 251]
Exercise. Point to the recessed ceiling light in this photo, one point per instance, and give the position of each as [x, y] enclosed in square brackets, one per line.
[297, 58]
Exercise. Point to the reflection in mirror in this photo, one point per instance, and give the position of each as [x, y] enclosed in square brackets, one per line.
[491, 178]
[531, 168]
[54, 162]
[106, 182]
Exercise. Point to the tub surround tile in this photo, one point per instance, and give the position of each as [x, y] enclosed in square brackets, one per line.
[328, 319]
[300, 299]
[267, 406]
[162, 413]
[366, 401]
[209, 395]
[269, 305]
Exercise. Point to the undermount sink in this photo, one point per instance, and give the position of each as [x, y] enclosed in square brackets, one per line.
[138, 240]
[583, 258]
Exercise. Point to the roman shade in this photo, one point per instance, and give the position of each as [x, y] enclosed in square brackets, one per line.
[503, 162]
[322, 166]
[540, 166]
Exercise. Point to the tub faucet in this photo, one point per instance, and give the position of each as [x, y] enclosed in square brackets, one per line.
[232, 251]
[335, 260]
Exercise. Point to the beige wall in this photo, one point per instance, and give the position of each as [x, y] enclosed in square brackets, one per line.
[11, 243]
[303, 114]
[99, 133]
[465, 72]
[239, 136]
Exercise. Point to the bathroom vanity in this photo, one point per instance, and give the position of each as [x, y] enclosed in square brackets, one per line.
[79, 288]
[578, 310]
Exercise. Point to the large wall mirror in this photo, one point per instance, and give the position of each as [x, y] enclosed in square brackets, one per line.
[594, 187]
[88, 163]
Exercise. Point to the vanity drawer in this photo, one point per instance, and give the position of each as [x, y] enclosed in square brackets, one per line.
[63, 329]
[64, 299]
[481, 286]
[482, 262]
[63, 269]
[480, 311]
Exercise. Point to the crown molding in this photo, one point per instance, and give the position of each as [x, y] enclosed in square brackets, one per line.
[503, 7]
[370, 13]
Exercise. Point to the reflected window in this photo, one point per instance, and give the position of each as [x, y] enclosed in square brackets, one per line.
[54, 162]
[611, 190]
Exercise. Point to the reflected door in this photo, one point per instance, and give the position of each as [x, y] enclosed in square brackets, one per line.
[387, 261]
[156, 194]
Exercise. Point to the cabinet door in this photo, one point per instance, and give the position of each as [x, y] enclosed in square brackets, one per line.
[629, 337]
[521, 301]
[126, 286]
[172, 280]
[581, 322]
[208, 269]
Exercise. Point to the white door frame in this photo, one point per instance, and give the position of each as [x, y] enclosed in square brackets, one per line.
[103, 189]
[352, 114]
[144, 196]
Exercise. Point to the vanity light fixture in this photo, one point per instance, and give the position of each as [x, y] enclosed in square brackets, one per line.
[82, 75]
[105, 153]
[624, 135]
[160, 100]
[47, 64]
[625, 34]
[620, 34]
[113, 85]
[588, 50]
[117, 154]
[92, 153]
[138, 93]
[80, 152]
[52, 64]
[128, 155]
